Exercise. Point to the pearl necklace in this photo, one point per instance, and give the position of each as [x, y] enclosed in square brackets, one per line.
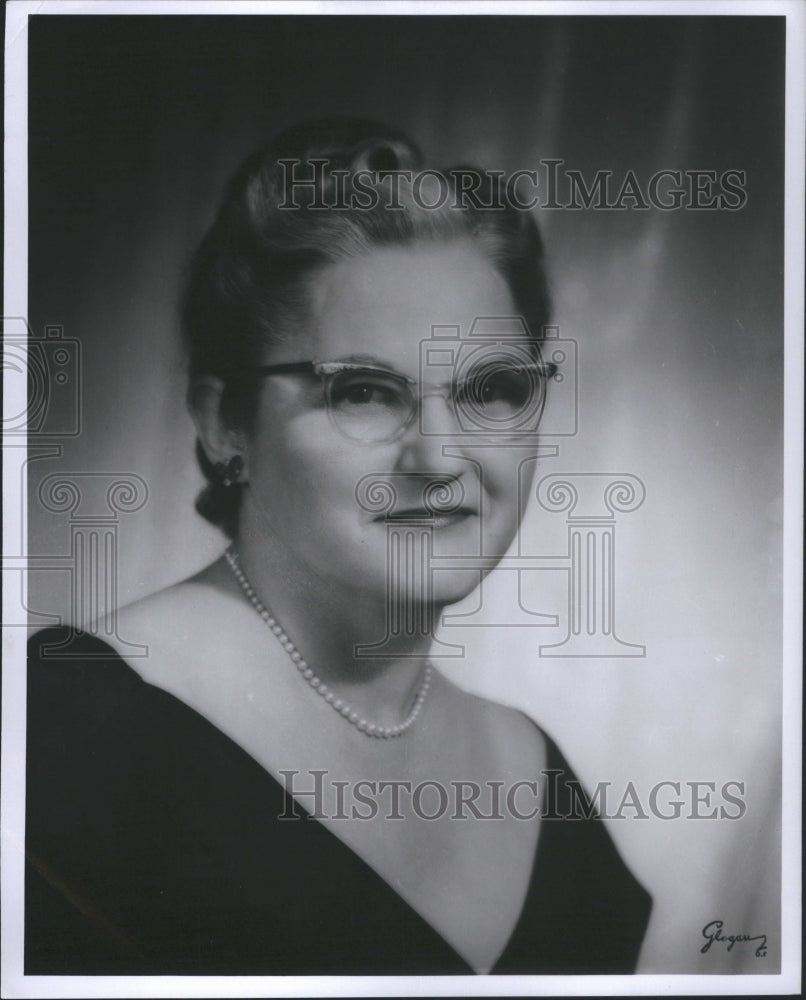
[345, 710]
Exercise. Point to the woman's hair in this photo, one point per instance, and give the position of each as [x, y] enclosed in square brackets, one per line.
[319, 193]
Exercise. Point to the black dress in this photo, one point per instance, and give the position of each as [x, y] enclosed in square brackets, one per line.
[153, 846]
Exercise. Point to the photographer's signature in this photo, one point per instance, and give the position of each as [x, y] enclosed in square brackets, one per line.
[712, 932]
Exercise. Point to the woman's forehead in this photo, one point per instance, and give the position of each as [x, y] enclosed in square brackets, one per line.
[386, 302]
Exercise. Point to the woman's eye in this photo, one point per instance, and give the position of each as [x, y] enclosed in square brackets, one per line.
[504, 386]
[363, 392]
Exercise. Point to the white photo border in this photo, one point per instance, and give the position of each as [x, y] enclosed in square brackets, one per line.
[14, 983]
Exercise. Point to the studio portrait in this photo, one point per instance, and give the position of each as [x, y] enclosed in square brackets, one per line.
[401, 481]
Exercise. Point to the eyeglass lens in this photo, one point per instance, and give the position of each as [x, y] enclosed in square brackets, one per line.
[367, 405]
[496, 397]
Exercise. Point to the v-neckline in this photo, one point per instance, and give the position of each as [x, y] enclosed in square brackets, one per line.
[235, 748]
[583, 911]
[384, 885]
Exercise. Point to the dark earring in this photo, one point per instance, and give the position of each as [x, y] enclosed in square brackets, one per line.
[226, 473]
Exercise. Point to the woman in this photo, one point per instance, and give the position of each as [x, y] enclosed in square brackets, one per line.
[165, 798]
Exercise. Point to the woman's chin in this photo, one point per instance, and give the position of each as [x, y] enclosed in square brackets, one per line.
[446, 587]
[451, 586]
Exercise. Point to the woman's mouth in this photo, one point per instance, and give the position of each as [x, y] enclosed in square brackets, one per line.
[429, 517]
[448, 520]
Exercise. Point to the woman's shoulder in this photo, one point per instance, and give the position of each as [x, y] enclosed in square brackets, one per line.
[74, 678]
[100, 699]
[175, 629]
[164, 636]
[183, 609]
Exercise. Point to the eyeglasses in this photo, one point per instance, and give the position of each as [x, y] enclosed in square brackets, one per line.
[501, 397]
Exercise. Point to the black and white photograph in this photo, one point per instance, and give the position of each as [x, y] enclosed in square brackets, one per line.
[402, 450]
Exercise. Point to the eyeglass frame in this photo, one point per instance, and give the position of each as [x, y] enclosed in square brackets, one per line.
[322, 369]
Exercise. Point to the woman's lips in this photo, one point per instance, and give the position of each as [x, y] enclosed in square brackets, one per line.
[435, 518]
[448, 520]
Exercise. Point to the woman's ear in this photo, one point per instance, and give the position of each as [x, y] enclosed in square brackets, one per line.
[218, 439]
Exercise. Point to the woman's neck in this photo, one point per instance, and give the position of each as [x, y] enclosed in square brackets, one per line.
[328, 622]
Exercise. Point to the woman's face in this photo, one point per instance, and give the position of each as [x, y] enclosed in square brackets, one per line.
[304, 473]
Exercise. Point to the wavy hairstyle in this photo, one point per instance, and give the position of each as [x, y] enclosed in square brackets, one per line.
[251, 275]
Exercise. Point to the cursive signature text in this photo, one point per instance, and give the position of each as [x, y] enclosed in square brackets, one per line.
[713, 932]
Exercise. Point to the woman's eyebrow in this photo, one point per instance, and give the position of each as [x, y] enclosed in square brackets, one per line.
[367, 359]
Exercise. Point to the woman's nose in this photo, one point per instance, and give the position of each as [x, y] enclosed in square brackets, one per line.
[421, 447]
